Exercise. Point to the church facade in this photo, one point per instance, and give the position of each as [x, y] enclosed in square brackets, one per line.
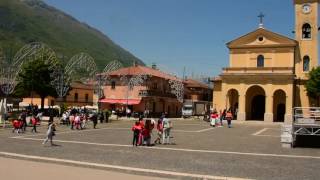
[267, 71]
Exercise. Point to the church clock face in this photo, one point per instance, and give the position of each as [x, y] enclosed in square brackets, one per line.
[306, 8]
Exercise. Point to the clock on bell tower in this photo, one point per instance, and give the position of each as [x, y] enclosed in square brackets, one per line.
[306, 28]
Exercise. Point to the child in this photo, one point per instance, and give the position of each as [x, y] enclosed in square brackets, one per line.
[229, 118]
[50, 134]
[141, 123]
[167, 126]
[34, 124]
[160, 131]
[213, 118]
[146, 133]
[136, 132]
[16, 126]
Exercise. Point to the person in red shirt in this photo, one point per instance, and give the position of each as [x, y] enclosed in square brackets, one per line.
[146, 133]
[141, 124]
[160, 131]
[16, 126]
[34, 124]
[213, 118]
[136, 132]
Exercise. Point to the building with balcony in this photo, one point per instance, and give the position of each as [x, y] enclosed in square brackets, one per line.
[267, 71]
[140, 89]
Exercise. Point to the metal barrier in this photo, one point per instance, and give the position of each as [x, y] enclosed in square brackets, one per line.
[306, 122]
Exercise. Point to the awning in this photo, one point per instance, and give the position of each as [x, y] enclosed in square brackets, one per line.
[121, 101]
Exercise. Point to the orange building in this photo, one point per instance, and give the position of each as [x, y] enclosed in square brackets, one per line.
[197, 91]
[151, 92]
[79, 95]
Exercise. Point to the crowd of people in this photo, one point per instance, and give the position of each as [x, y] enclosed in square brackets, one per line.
[78, 118]
[143, 131]
[216, 119]
[20, 124]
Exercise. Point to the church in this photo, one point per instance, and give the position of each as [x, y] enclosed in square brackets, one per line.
[267, 71]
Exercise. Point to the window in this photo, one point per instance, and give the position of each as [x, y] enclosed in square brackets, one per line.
[154, 86]
[76, 97]
[87, 97]
[260, 61]
[113, 85]
[306, 63]
[306, 31]
[260, 38]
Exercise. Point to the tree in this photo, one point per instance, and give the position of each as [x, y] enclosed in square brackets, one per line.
[35, 78]
[313, 84]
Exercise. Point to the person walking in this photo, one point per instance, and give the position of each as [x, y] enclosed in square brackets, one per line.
[50, 134]
[94, 119]
[77, 121]
[222, 116]
[159, 131]
[24, 120]
[34, 124]
[229, 118]
[72, 122]
[167, 125]
[136, 132]
[213, 118]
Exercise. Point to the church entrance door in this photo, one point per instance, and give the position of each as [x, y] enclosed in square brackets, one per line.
[258, 107]
[255, 103]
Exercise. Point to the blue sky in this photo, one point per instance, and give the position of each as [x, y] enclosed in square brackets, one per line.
[180, 33]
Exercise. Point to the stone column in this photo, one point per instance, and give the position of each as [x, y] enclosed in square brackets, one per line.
[242, 102]
[268, 115]
[242, 108]
[288, 115]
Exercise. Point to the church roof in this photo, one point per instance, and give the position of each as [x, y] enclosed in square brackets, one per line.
[261, 38]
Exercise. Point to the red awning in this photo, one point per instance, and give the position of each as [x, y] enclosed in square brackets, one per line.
[121, 101]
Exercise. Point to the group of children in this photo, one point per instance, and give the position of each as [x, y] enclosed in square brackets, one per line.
[19, 125]
[217, 119]
[142, 131]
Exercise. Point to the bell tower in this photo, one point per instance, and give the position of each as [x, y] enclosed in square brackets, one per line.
[306, 33]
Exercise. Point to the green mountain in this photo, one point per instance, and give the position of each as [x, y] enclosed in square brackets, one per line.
[25, 21]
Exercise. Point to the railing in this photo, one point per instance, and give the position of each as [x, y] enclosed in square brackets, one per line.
[150, 93]
[306, 121]
[306, 115]
[262, 70]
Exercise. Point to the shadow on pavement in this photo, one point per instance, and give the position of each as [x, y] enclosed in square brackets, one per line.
[308, 141]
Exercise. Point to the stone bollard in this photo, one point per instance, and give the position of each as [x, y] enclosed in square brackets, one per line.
[286, 136]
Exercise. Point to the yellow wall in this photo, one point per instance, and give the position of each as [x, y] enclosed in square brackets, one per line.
[274, 57]
[310, 46]
[70, 98]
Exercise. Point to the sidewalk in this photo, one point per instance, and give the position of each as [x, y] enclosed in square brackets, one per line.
[15, 169]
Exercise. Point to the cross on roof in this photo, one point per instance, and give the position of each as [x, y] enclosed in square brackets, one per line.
[261, 16]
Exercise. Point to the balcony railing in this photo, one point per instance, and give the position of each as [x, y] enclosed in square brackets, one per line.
[258, 70]
[150, 93]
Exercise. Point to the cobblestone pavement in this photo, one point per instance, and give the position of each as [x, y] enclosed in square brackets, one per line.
[248, 150]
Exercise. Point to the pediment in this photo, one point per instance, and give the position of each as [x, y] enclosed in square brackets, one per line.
[262, 38]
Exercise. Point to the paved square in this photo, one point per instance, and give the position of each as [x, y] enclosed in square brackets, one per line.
[248, 150]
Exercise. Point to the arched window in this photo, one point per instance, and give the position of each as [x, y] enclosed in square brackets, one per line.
[306, 31]
[260, 61]
[306, 63]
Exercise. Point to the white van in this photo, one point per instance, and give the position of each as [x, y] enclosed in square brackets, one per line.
[187, 110]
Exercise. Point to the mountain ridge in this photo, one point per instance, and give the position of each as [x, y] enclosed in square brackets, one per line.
[25, 21]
